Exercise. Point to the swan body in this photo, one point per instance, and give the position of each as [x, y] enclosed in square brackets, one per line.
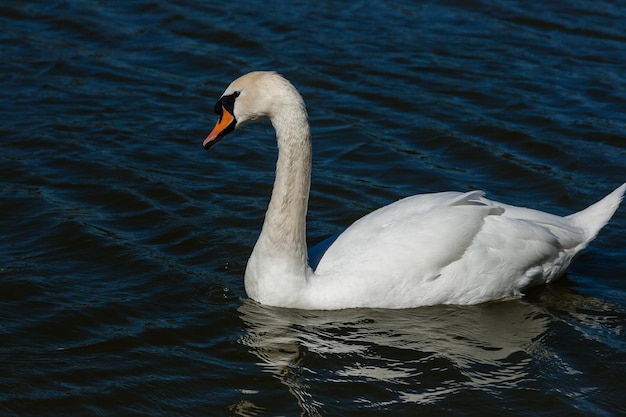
[440, 248]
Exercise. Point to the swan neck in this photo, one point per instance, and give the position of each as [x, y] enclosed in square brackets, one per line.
[279, 258]
[286, 214]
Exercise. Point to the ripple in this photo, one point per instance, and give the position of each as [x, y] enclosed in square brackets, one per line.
[123, 244]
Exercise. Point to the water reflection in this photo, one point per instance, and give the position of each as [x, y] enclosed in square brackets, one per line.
[422, 355]
[599, 319]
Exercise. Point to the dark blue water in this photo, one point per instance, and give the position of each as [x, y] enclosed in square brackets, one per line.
[123, 243]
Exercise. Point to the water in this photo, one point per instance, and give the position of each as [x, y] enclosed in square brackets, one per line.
[123, 243]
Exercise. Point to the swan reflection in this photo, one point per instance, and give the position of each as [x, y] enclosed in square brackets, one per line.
[380, 358]
[420, 354]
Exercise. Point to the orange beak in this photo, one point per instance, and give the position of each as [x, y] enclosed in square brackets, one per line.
[225, 125]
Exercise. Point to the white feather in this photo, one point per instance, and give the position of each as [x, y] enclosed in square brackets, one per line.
[442, 248]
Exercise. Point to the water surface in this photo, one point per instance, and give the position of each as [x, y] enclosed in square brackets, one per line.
[123, 243]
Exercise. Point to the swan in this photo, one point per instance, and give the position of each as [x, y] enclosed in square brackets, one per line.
[427, 249]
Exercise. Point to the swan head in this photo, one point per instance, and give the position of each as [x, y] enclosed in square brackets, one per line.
[254, 96]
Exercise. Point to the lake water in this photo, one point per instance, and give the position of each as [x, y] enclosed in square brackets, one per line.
[123, 243]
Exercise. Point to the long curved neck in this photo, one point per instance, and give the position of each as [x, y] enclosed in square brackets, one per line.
[285, 220]
[278, 265]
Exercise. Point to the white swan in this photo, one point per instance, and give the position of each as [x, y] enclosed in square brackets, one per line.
[442, 248]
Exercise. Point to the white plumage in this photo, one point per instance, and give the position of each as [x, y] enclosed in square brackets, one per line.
[441, 248]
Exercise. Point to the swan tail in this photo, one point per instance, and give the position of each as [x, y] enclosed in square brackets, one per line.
[595, 217]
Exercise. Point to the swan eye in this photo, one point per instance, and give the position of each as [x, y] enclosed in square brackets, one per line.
[228, 102]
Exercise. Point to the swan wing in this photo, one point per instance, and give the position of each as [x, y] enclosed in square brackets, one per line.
[445, 248]
[422, 233]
